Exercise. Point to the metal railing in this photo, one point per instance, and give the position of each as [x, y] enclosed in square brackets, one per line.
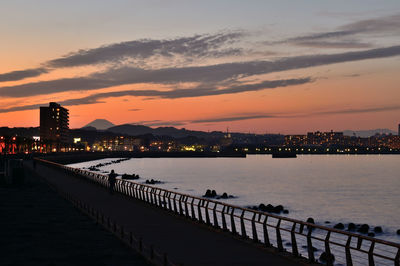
[315, 242]
[148, 251]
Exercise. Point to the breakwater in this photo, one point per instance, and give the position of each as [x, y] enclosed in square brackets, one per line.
[314, 242]
[76, 157]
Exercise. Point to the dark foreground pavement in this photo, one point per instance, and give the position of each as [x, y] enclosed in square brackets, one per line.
[38, 227]
[184, 241]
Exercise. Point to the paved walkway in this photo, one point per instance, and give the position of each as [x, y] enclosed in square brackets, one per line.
[184, 241]
[38, 227]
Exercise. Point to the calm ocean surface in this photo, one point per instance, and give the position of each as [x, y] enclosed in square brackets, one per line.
[335, 188]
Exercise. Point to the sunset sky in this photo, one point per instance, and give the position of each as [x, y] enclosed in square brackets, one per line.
[250, 66]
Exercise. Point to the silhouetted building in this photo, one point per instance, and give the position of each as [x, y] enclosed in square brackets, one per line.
[54, 123]
[398, 133]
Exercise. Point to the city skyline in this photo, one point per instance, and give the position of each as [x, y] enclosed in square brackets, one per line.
[259, 67]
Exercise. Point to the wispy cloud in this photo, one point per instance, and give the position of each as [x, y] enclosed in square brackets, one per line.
[159, 123]
[345, 36]
[241, 117]
[231, 118]
[202, 74]
[22, 74]
[197, 46]
[360, 110]
[169, 94]
[207, 45]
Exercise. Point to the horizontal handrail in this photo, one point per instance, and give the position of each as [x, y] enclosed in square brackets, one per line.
[137, 243]
[238, 220]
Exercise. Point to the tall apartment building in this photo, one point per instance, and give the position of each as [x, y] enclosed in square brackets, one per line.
[54, 123]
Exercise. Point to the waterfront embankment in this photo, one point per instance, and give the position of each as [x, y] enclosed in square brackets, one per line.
[183, 240]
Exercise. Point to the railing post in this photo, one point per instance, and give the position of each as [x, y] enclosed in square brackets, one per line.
[174, 201]
[329, 258]
[192, 208]
[295, 251]
[244, 234]
[278, 236]
[233, 226]
[165, 199]
[310, 247]
[207, 214]
[180, 205]
[141, 193]
[224, 227]
[199, 210]
[186, 207]
[153, 196]
[135, 191]
[147, 194]
[253, 227]
[215, 215]
[150, 195]
[130, 238]
[359, 242]
[266, 235]
[371, 261]
[160, 202]
[169, 201]
[349, 261]
[123, 187]
[397, 259]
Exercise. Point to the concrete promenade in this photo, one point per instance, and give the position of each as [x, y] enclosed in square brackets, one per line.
[184, 241]
[38, 227]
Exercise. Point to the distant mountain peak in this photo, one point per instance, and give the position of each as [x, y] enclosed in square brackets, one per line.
[100, 124]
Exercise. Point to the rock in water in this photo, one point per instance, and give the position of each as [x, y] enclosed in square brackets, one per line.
[351, 227]
[339, 226]
[325, 257]
[363, 229]
[378, 229]
[310, 220]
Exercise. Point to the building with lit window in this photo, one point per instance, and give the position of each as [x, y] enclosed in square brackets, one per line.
[54, 123]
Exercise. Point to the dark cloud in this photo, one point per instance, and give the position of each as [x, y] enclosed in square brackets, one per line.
[21, 108]
[201, 74]
[360, 110]
[169, 94]
[295, 116]
[231, 118]
[196, 46]
[334, 44]
[375, 25]
[339, 37]
[22, 74]
[162, 123]
[134, 110]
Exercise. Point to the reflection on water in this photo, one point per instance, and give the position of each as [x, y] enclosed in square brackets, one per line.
[335, 188]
